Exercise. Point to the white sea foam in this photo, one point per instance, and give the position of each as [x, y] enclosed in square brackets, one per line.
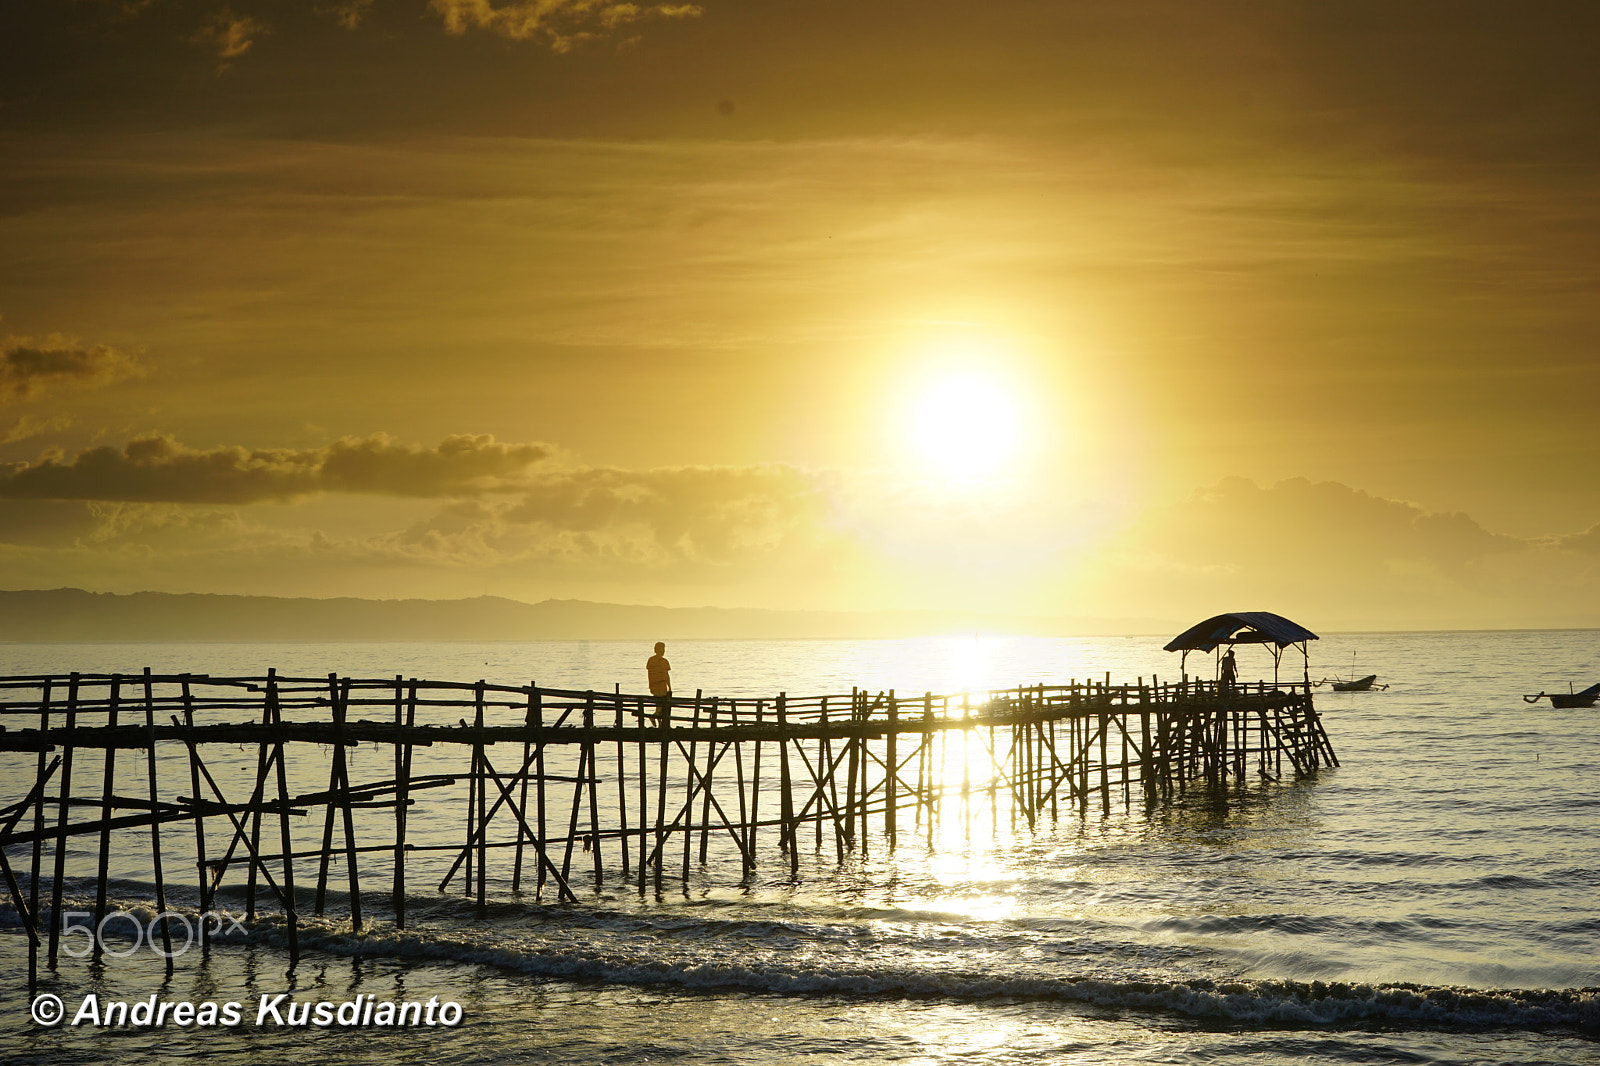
[777, 959]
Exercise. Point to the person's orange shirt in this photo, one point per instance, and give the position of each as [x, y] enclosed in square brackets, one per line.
[659, 671]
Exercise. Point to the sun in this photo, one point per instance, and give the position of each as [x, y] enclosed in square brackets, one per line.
[964, 426]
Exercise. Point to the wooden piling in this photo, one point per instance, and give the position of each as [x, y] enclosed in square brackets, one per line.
[341, 704]
[404, 702]
[204, 872]
[64, 798]
[790, 835]
[755, 786]
[664, 719]
[107, 791]
[592, 747]
[705, 779]
[153, 792]
[644, 798]
[480, 784]
[36, 856]
[891, 775]
[689, 789]
[622, 788]
[292, 919]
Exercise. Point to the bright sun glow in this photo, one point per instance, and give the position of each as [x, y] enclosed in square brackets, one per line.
[964, 425]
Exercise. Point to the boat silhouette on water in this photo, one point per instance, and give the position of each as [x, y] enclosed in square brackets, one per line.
[1358, 684]
[1362, 684]
[1585, 698]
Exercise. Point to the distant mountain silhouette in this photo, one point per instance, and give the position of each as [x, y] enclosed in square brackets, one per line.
[76, 615]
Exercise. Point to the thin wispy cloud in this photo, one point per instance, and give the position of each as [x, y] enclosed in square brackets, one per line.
[710, 514]
[560, 24]
[228, 34]
[349, 13]
[30, 367]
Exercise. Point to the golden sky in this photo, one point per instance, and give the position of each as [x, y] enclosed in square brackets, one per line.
[1131, 308]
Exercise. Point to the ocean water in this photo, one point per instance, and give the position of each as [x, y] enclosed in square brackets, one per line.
[1435, 899]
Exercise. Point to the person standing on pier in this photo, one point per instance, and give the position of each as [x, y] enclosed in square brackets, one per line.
[659, 671]
[1230, 672]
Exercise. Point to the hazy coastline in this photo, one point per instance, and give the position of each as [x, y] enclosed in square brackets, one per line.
[73, 615]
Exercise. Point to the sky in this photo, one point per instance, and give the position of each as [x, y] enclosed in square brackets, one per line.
[1044, 307]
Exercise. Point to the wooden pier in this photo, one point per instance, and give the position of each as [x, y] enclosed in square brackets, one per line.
[347, 795]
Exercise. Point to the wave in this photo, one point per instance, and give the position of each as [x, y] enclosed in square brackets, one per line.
[803, 960]
[1254, 1002]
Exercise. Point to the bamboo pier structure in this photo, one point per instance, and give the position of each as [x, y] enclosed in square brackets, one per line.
[354, 796]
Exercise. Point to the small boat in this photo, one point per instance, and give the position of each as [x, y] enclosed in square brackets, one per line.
[1360, 684]
[1585, 698]
[1355, 684]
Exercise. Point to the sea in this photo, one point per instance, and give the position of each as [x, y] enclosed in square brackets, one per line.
[1433, 899]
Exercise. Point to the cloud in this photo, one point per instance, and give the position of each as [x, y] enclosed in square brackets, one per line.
[1585, 543]
[160, 469]
[228, 34]
[1330, 556]
[1236, 524]
[711, 516]
[47, 522]
[1341, 558]
[745, 535]
[348, 13]
[559, 24]
[25, 427]
[29, 367]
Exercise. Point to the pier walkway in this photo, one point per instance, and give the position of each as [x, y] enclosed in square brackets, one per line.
[337, 793]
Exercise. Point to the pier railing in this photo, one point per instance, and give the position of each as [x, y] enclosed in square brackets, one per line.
[293, 793]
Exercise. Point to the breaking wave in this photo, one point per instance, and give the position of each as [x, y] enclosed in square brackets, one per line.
[799, 958]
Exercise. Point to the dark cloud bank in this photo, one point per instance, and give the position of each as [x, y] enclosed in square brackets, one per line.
[160, 469]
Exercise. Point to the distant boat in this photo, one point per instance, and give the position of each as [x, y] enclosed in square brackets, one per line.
[1585, 698]
[1360, 684]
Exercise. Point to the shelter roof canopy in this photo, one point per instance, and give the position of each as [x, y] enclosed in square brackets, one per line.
[1241, 627]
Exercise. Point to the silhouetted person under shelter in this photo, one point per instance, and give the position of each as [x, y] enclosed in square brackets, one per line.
[1230, 671]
